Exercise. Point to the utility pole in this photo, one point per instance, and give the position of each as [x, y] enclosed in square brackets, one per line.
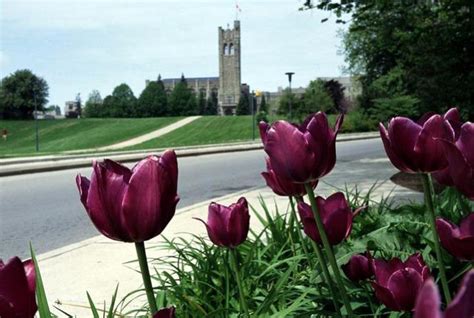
[290, 74]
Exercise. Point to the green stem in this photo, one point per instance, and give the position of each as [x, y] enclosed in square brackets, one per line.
[227, 285]
[322, 262]
[369, 298]
[142, 260]
[298, 230]
[243, 303]
[428, 189]
[327, 277]
[328, 249]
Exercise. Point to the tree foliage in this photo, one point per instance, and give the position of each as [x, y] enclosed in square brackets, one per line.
[182, 100]
[122, 102]
[425, 48]
[243, 106]
[211, 104]
[153, 101]
[19, 92]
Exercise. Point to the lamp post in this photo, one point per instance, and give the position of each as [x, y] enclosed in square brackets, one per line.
[290, 74]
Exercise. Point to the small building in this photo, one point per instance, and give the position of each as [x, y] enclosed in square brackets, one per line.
[72, 109]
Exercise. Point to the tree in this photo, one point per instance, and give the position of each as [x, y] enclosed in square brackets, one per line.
[153, 100]
[243, 106]
[336, 92]
[211, 104]
[263, 104]
[19, 92]
[201, 102]
[288, 98]
[94, 105]
[426, 45]
[315, 99]
[182, 100]
[121, 103]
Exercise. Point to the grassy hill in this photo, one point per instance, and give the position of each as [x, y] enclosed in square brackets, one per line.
[71, 134]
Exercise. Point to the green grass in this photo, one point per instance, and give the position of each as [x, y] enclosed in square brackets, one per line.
[206, 130]
[215, 130]
[71, 134]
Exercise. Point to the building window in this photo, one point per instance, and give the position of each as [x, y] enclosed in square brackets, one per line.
[231, 49]
[229, 99]
[224, 50]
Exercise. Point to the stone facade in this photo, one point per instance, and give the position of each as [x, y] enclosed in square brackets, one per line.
[229, 69]
[196, 84]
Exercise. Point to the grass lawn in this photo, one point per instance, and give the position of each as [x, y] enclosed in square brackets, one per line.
[72, 134]
[209, 130]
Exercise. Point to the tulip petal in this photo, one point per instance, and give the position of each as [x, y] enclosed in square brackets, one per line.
[322, 142]
[217, 224]
[463, 304]
[446, 231]
[385, 296]
[289, 152]
[20, 297]
[165, 313]
[428, 301]
[465, 143]
[383, 269]
[403, 134]
[416, 262]
[431, 152]
[83, 185]
[394, 158]
[404, 285]
[466, 227]
[309, 224]
[238, 225]
[263, 128]
[30, 273]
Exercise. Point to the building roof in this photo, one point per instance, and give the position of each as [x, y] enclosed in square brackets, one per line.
[211, 78]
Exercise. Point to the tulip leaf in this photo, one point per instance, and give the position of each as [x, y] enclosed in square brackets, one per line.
[42, 301]
[95, 313]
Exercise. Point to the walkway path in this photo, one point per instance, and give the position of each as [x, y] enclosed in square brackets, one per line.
[152, 135]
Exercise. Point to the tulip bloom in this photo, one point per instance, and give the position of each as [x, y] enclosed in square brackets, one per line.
[228, 225]
[359, 267]
[336, 216]
[131, 205]
[165, 313]
[282, 186]
[428, 300]
[412, 147]
[458, 241]
[397, 283]
[301, 154]
[17, 288]
[460, 155]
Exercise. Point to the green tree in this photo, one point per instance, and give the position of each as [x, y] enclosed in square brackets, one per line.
[122, 102]
[153, 100]
[288, 98]
[315, 98]
[182, 100]
[211, 104]
[243, 106]
[19, 92]
[94, 105]
[201, 102]
[336, 92]
[263, 104]
[427, 45]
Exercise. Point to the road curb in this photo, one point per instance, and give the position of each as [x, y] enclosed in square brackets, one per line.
[53, 163]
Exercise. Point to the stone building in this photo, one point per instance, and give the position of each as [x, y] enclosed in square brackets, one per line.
[228, 84]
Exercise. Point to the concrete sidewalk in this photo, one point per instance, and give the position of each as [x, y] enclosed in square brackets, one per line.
[98, 264]
[24, 165]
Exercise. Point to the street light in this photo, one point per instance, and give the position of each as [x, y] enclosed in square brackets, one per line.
[290, 74]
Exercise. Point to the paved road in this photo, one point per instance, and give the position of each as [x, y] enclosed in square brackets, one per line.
[44, 207]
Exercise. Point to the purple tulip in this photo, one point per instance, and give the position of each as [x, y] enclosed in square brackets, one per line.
[282, 186]
[460, 155]
[301, 154]
[458, 241]
[412, 147]
[165, 313]
[359, 267]
[17, 288]
[228, 225]
[397, 283]
[336, 216]
[428, 300]
[131, 205]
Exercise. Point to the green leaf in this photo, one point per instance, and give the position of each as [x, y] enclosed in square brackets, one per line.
[42, 301]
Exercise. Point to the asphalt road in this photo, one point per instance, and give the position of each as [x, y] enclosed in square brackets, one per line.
[44, 207]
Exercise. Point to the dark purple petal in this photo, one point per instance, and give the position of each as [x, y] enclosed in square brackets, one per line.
[289, 152]
[216, 224]
[165, 313]
[465, 143]
[30, 273]
[428, 146]
[239, 220]
[394, 158]
[358, 268]
[416, 262]
[282, 186]
[83, 185]
[454, 119]
[462, 305]
[309, 224]
[457, 244]
[383, 269]
[263, 128]
[403, 134]
[428, 301]
[404, 285]
[385, 296]
[466, 227]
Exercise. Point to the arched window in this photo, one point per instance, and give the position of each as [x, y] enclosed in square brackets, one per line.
[231, 49]
[224, 50]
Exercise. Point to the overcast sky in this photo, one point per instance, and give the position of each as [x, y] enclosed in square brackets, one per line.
[81, 45]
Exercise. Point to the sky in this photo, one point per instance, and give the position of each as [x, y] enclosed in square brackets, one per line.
[81, 45]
